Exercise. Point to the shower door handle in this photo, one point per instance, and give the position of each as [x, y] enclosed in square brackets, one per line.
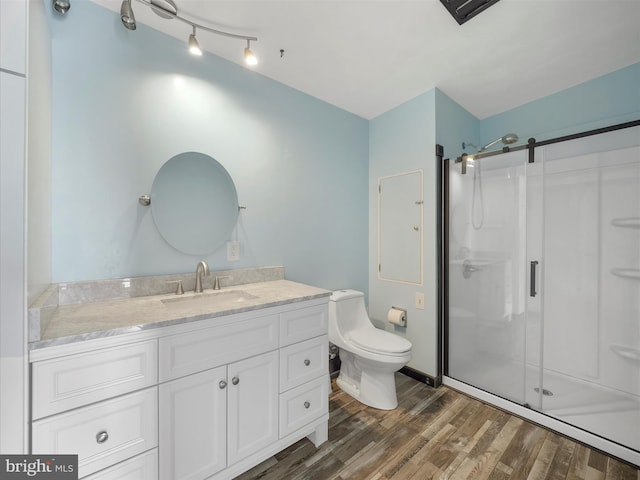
[532, 280]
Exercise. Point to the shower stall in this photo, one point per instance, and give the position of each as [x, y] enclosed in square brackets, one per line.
[541, 253]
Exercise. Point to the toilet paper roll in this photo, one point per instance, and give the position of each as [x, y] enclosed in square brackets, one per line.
[397, 317]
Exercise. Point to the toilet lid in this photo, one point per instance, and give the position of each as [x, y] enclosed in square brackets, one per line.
[379, 341]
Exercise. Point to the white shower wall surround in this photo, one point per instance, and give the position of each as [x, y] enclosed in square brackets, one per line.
[572, 351]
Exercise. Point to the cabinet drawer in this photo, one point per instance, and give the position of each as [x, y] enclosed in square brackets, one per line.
[302, 324]
[303, 361]
[128, 423]
[303, 404]
[76, 380]
[192, 352]
[142, 467]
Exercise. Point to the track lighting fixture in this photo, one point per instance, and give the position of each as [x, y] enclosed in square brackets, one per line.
[167, 9]
[249, 57]
[194, 46]
[61, 6]
[126, 15]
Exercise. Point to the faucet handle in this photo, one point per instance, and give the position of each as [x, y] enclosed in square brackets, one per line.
[179, 289]
[216, 283]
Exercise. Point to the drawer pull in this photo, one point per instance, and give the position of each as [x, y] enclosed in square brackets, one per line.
[222, 384]
[307, 362]
[235, 380]
[307, 404]
[102, 436]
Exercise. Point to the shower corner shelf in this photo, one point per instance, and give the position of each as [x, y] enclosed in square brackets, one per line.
[629, 222]
[627, 352]
[632, 273]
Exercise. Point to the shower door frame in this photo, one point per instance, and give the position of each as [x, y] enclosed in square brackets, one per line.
[524, 411]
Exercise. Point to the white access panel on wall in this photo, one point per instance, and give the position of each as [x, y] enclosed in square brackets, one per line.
[400, 227]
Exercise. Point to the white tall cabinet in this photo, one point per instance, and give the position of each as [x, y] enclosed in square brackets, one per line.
[13, 85]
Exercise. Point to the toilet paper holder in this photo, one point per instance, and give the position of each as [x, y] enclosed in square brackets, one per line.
[397, 316]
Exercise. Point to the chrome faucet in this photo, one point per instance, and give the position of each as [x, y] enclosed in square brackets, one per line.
[202, 267]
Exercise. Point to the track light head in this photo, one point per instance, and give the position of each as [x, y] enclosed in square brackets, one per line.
[249, 57]
[61, 6]
[194, 46]
[126, 15]
[167, 9]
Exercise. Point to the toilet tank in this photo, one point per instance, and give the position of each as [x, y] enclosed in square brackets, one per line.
[348, 310]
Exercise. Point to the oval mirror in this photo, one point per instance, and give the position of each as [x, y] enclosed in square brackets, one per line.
[194, 203]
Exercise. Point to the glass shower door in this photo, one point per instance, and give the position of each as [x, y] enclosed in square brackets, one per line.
[488, 275]
[544, 284]
[591, 337]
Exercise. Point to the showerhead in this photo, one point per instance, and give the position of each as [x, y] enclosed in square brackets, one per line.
[508, 139]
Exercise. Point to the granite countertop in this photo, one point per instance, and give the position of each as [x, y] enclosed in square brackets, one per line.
[108, 317]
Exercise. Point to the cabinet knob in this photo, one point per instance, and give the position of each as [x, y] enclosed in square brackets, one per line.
[235, 380]
[102, 436]
[307, 362]
[307, 404]
[222, 384]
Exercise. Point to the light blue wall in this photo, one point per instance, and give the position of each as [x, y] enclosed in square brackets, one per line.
[607, 100]
[402, 140]
[454, 125]
[125, 102]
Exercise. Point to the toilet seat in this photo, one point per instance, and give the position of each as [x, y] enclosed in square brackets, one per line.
[379, 341]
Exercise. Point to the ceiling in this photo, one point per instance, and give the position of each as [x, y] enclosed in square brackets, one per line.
[368, 56]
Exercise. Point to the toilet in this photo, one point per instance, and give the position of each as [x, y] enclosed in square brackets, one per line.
[370, 356]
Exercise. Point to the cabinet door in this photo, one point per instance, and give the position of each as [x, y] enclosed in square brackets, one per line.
[193, 426]
[253, 405]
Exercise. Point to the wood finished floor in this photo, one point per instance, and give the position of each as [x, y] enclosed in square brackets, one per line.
[436, 434]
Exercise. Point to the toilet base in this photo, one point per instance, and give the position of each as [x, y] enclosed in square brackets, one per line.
[379, 403]
[371, 383]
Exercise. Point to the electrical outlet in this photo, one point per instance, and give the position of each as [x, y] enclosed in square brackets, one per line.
[233, 251]
[420, 300]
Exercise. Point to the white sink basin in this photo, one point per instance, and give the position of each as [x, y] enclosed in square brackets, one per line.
[228, 298]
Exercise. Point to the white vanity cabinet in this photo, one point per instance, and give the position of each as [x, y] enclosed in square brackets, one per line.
[206, 399]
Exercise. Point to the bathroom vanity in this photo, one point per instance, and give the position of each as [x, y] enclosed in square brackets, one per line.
[217, 383]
